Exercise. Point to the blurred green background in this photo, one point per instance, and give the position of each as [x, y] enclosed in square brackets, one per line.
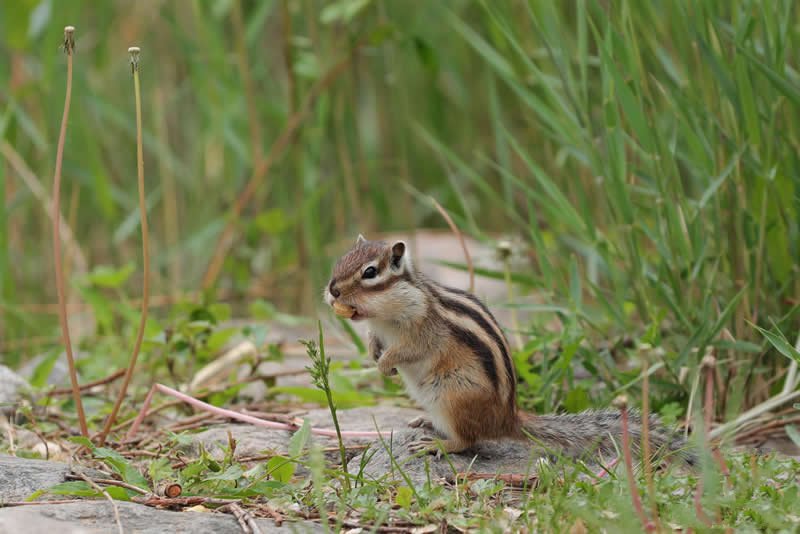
[644, 154]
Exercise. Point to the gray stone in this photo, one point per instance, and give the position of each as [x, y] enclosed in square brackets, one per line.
[252, 440]
[365, 419]
[491, 457]
[59, 373]
[12, 387]
[20, 477]
[97, 517]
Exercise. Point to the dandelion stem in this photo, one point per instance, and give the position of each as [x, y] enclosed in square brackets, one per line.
[69, 47]
[134, 52]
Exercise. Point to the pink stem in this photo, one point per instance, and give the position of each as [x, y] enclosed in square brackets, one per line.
[604, 471]
[233, 415]
[626, 452]
[142, 413]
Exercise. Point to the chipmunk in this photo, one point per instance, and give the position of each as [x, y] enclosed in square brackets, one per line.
[456, 362]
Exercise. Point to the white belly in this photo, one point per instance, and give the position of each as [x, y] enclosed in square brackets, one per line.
[424, 396]
[413, 375]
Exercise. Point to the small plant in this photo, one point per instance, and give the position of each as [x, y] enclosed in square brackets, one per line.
[320, 373]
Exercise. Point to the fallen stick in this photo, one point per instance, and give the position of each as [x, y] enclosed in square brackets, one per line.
[114, 508]
[246, 521]
[90, 385]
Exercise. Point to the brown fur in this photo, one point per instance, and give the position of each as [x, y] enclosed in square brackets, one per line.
[351, 262]
[456, 361]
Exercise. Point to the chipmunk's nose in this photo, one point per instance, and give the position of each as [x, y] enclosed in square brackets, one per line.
[332, 288]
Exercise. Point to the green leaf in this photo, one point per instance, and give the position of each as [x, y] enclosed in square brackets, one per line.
[793, 433]
[777, 340]
[116, 461]
[117, 493]
[220, 337]
[75, 488]
[160, 469]
[403, 497]
[576, 400]
[80, 440]
[231, 474]
[109, 277]
[262, 488]
[715, 185]
[79, 488]
[194, 469]
[489, 53]
[785, 86]
[299, 439]
[261, 309]
[220, 310]
[342, 11]
[43, 369]
[281, 468]
[575, 288]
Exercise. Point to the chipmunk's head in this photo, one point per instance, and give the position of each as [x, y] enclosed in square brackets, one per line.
[373, 280]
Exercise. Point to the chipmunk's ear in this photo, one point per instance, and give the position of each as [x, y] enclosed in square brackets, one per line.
[400, 256]
[360, 239]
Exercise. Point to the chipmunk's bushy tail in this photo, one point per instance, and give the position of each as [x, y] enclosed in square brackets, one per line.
[599, 434]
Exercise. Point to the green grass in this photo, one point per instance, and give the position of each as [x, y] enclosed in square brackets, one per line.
[764, 498]
[643, 156]
[761, 493]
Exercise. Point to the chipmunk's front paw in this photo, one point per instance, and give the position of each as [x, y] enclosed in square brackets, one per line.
[425, 444]
[385, 369]
[375, 347]
[421, 422]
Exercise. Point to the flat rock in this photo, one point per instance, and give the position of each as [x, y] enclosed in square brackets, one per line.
[252, 440]
[491, 457]
[59, 373]
[365, 419]
[20, 477]
[97, 517]
[12, 387]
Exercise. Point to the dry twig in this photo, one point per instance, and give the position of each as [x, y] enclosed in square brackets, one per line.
[9, 504]
[179, 502]
[460, 237]
[89, 385]
[109, 482]
[94, 484]
[246, 520]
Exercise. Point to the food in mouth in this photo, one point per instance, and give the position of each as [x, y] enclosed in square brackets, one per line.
[343, 310]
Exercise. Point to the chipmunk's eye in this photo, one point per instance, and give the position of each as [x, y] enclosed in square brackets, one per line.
[369, 272]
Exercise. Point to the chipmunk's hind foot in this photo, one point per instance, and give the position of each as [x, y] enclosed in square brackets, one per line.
[421, 422]
[431, 445]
